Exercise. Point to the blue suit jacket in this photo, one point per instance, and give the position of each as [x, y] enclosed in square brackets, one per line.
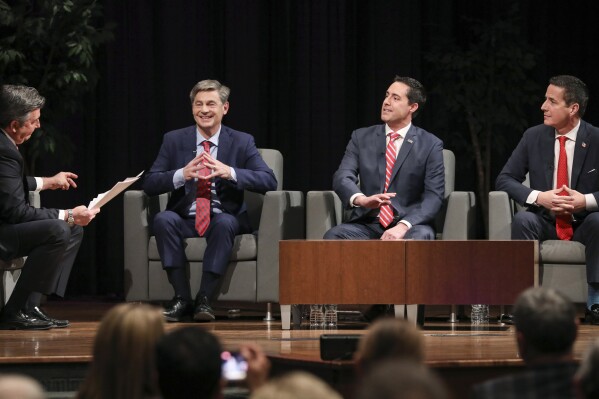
[535, 155]
[235, 149]
[418, 174]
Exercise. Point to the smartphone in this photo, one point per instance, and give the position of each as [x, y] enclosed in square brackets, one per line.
[234, 367]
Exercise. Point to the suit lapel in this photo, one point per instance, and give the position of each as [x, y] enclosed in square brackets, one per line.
[580, 153]
[224, 145]
[547, 144]
[406, 147]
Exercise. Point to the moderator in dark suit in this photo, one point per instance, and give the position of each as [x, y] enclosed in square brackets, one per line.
[417, 177]
[237, 166]
[536, 156]
[48, 239]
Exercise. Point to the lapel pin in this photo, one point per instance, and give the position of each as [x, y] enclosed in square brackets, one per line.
[584, 145]
[410, 141]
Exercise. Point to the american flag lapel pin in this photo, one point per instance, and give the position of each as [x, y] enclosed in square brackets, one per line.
[410, 141]
[584, 145]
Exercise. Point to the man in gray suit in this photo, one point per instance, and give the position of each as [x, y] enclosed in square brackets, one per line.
[392, 175]
[563, 207]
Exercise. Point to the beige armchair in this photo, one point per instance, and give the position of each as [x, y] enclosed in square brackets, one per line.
[562, 263]
[253, 272]
[11, 270]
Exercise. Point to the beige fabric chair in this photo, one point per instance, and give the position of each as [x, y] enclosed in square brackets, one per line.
[11, 270]
[562, 263]
[253, 273]
[455, 221]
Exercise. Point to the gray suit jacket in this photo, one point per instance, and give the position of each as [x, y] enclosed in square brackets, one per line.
[418, 174]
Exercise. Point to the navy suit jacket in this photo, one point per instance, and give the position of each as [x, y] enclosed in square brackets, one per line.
[14, 197]
[418, 174]
[535, 155]
[235, 149]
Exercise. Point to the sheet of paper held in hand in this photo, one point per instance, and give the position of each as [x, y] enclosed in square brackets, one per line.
[104, 198]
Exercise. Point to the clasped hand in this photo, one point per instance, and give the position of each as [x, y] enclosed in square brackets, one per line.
[206, 161]
[562, 205]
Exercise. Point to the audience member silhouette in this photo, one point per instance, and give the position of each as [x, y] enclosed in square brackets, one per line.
[189, 365]
[296, 385]
[389, 338]
[546, 327]
[17, 386]
[123, 365]
[586, 379]
[401, 379]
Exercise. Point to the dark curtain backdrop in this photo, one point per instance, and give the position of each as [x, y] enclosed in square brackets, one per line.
[303, 75]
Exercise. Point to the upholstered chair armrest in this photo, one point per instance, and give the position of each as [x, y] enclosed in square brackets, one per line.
[323, 211]
[460, 218]
[283, 218]
[136, 236]
[500, 216]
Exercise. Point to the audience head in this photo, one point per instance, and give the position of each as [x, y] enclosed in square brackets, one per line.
[389, 338]
[401, 379]
[123, 365]
[587, 377]
[16, 102]
[575, 91]
[546, 325]
[296, 385]
[185, 357]
[16, 386]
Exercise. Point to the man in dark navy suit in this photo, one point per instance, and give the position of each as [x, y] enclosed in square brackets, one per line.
[50, 238]
[560, 205]
[412, 186]
[206, 167]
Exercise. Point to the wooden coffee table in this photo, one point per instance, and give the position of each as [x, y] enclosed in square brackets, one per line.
[404, 272]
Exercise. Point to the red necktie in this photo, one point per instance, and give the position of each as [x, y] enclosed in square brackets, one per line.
[563, 224]
[203, 197]
[386, 213]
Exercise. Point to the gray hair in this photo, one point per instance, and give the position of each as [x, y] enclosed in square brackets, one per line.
[211, 85]
[547, 319]
[16, 102]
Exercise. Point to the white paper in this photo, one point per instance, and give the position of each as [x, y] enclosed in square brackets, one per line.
[104, 198]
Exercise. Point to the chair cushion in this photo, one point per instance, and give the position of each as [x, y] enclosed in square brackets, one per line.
[244, 248]
[557, 251]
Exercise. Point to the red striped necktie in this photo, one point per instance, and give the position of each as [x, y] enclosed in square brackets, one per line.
[386, 213]
[563, 224]
[203, 198]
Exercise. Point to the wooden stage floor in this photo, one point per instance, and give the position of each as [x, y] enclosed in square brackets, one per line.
[461, 355]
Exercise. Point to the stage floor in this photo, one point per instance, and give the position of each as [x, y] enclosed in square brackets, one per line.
[461, 354]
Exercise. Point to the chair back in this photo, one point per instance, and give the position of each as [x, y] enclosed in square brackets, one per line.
[254, 201]
[449, 166]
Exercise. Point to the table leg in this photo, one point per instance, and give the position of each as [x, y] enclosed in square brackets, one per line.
[286, 317]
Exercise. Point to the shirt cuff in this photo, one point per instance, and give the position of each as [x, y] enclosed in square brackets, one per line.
[591, 202]
[178, 179]
[406, 223]
[61, 213]
[233, 175]
[352, 198]
[39, 183]
[532, 197]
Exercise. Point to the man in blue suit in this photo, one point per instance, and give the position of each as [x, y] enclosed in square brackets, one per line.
[206, 167]
[413, 190]
[561, 205]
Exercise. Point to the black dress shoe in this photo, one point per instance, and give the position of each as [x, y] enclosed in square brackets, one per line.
[592, 315]
[39, 314]
[22, 321]
[178, 309]
[203, 311]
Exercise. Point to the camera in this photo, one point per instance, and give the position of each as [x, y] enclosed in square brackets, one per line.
[234, 366]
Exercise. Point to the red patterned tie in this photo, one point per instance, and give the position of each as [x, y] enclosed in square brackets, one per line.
[386, 213]
[563, 224]
[203, 197]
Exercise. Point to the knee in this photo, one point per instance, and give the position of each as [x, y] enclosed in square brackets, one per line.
[224, 223]
[334, 233]
[59, 231]
[164, 219]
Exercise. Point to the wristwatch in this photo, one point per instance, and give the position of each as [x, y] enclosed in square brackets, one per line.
[70, 218]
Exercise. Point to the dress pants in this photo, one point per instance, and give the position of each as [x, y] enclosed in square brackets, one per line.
[531, 226]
